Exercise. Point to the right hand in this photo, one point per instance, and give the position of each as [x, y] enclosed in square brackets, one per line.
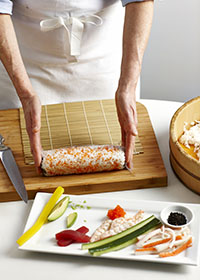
[32, 112]
[127, 115]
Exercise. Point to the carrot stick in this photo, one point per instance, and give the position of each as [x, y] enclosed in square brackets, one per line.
[152, 244]
[177, 251]
[145, 249]
[179, 237]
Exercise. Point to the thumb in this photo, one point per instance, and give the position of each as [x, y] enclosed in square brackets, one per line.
[36, 124]
[134, 131]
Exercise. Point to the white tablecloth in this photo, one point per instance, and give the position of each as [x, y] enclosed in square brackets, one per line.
[21, 265]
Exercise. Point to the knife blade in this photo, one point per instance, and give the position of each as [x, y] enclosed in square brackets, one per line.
[12, 170]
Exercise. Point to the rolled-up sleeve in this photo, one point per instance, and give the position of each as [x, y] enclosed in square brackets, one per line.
[125, 2]
[6, 7]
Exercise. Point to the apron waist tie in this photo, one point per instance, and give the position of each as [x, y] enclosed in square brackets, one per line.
[76, 25]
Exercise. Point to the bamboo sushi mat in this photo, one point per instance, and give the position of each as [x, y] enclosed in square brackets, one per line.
[76, 124]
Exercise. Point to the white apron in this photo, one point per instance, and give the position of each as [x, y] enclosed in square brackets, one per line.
[71, 49]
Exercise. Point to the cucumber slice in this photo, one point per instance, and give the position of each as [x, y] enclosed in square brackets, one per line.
[125, 240]
[71, 219]
[119, 235]
[58, 209]
[109, 249]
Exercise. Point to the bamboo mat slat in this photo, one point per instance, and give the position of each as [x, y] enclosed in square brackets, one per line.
[76, 124]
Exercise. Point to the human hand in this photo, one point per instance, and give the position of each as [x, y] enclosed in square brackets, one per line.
[127, 115]
[32, 112]
[11, 58]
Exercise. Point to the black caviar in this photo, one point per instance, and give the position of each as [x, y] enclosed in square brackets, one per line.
[177, 219]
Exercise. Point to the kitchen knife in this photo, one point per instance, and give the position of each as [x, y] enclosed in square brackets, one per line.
[12, 170]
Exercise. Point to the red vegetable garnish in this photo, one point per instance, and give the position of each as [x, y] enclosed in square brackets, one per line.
[67, 237]
[64, 242]
[117, 212]
[83, 230]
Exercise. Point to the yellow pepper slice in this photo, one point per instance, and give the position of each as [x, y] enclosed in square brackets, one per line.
[42, 218]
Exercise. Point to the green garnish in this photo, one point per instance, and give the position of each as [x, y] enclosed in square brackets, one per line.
[78, 205]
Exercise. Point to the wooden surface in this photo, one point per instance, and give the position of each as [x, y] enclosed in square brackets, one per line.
[76, 124]
[149, 170]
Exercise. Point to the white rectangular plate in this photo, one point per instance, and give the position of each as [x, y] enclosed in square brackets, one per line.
[91, 212]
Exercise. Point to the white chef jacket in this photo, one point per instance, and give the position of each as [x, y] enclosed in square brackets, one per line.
[60, 69]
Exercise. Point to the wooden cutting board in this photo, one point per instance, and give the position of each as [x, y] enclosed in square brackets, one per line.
[149, 170]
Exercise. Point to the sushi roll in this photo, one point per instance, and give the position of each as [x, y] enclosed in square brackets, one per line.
[83, 159]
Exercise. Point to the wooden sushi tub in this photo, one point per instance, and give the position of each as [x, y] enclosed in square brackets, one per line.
[185, 166]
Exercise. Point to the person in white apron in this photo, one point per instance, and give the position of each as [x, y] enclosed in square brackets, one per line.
[71, 51]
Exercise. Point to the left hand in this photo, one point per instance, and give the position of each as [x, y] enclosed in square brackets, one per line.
[127, 115]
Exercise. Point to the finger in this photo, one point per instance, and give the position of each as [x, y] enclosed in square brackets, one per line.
[36, 121]
[132, 128]
[134, 131]
[36, 125]
[123, 137]
[36, 143]
[36, 149]
[130, 143]
[135, 122]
